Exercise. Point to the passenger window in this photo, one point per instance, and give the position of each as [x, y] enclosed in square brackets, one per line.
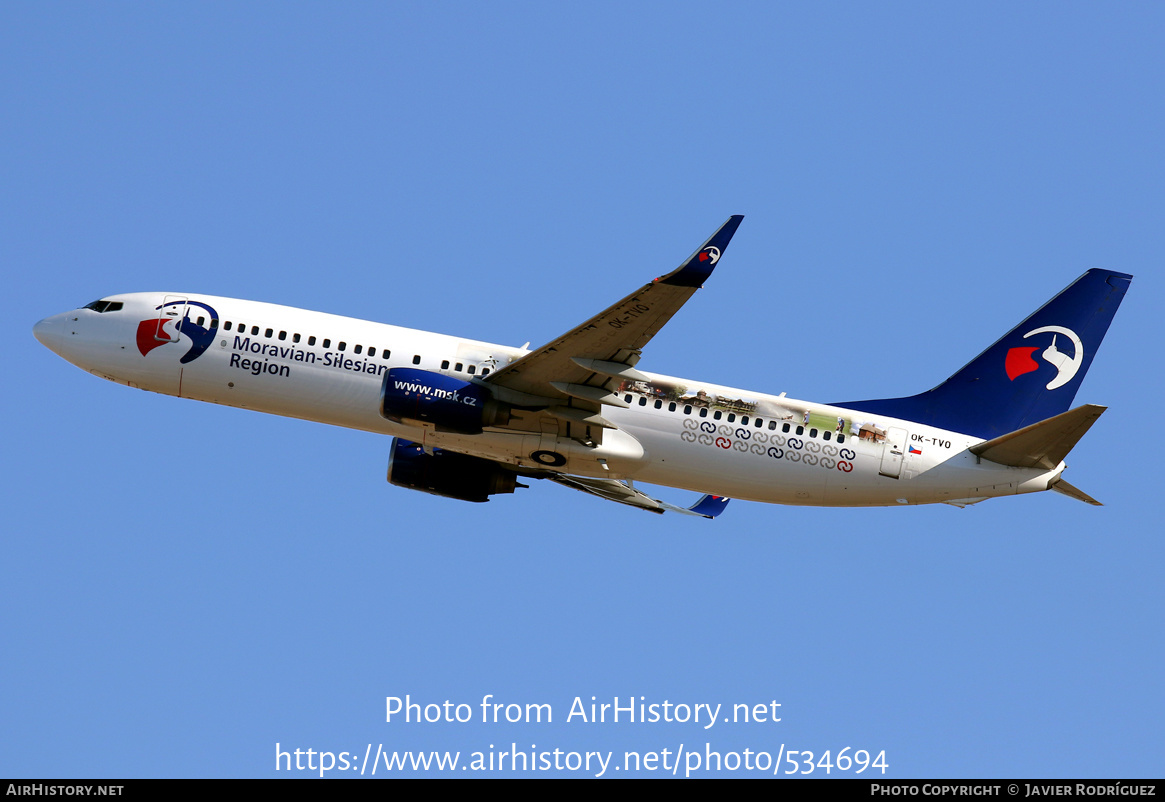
[772, 426]
[717, 415]
[826, 435]
[687, 409]
[671, 407]
[444, 364]
[457, 367]
[785, 428]
[268, 333]
[371, 352]
[658, 404]
[743, 420]
[327, 343]
[485, 371]
[841, 438]
[358, 348]
[385, 354]
[295, 338]
[311, 340]
[283, 335]
[342, 345]
[758, 423]
[627, 398]
[703, 412]
[472, 369]
[416, 359]
[642, 400]
[800, 430]
[227, 325]
[200, 320]
[812, 432]
[254, 331]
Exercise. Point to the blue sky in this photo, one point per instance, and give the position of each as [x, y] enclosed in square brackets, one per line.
[188, 585]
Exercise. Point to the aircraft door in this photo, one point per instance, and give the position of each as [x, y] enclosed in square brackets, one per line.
[167, 329]
[893, 453]
[173, 311]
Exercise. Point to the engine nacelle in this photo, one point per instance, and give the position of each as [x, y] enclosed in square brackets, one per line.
[447, 473]
[410, 394]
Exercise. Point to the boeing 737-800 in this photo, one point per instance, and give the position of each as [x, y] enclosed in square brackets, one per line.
[469, 418]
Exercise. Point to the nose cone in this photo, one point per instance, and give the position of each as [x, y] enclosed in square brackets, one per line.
[48, 331]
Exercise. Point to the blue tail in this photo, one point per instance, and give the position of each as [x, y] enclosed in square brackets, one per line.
[1029, 375]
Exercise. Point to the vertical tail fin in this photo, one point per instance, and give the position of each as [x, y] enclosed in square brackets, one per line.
[1030, 374]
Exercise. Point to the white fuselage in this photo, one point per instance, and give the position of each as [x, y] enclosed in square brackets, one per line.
[676, 432]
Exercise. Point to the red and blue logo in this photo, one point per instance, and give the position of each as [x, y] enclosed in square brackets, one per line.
[167, 328]
[1020, 361]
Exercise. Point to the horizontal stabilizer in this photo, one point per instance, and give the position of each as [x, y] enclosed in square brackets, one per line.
[1043, 444]
[1074, 492]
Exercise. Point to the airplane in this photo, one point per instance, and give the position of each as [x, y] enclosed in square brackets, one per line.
[469, 419]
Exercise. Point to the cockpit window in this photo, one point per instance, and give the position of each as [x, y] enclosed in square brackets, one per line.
[104, 306]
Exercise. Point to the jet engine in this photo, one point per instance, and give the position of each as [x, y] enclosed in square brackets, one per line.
[412, 395]
[447, 473]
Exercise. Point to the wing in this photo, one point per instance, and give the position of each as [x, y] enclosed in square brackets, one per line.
[707, 506]
[568, 380]
[581, 370]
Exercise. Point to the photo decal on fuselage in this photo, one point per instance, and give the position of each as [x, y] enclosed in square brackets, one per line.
[745, 411]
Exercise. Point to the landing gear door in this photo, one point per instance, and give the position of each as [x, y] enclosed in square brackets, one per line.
[893, 452]
[173, 311]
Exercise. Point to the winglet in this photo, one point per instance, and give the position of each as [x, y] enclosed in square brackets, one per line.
[695, 271]
[708, 506]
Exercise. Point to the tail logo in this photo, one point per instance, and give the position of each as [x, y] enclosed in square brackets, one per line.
[710, 253]
[1019, 360]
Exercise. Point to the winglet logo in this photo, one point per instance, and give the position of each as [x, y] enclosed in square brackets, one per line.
[1019, 360]
[153, 333]
[711, 252]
